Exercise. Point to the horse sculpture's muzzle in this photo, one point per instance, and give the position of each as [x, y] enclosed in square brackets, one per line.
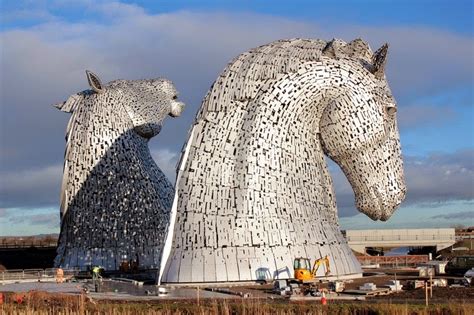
[376, 176]
[176, 109]
[378, 203]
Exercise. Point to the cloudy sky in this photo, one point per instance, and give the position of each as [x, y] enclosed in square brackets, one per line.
[45, 46]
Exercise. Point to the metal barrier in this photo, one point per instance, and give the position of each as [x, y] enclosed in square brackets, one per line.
[28, 245]
[13, 275]
[394, 261]
[396, 238]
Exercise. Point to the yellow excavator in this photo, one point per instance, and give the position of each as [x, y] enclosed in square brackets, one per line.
[303, 270]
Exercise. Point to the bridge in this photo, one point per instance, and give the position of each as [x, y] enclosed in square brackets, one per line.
[359, 240]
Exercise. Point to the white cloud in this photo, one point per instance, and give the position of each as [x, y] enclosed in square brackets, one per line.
[426, 215]
[33, 187]
[22, 221]
[166, 161]
[48, 220]
[461, 215]
[417, 116]
[36, 15]
[117, 10]
[440, 177]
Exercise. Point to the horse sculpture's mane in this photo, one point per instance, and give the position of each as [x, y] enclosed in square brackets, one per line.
[245, 75]
[84, 116]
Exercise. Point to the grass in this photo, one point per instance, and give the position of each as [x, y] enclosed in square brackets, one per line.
[45, 303]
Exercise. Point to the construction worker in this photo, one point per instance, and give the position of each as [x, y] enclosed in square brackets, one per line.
[95, 273]
[59, 275]
[96, 278]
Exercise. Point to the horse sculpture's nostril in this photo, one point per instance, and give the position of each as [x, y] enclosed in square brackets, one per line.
[377, 203]
[385, 216]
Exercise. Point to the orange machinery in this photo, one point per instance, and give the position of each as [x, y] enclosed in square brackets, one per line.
[303, 270]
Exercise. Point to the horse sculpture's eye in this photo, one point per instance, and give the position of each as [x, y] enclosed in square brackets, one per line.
[391, 110]
[175, 97]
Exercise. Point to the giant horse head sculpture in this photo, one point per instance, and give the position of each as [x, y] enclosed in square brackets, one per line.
[115, 200]
[253, 188]
[147, 102]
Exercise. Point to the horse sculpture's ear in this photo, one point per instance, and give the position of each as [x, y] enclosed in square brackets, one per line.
[333, 48]
[94, 82]
[61, 106]
[70, 105]
[378, 61]
[359, 48]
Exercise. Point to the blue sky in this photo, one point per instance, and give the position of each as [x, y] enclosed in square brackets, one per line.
[436, 13]
[47, 45]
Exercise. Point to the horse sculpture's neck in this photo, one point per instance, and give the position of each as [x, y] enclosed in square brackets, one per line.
[276, 135]
[90, 134]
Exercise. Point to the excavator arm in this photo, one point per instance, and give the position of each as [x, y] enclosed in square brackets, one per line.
[318, 263]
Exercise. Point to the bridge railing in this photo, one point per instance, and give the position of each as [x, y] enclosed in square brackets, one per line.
[396, 238]
[394, 261]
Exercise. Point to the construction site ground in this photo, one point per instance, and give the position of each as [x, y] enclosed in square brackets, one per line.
[128, 291]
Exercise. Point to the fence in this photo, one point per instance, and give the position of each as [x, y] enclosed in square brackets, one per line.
[28, 245]
[397, 238]
[19, 275]
[394, 261]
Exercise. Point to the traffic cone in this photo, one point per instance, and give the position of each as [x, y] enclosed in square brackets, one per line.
[324, 301]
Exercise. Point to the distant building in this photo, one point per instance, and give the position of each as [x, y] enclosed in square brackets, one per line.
[359, 240]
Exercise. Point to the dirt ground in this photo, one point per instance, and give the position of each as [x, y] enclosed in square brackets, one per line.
[127, 291]
[381, 278]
